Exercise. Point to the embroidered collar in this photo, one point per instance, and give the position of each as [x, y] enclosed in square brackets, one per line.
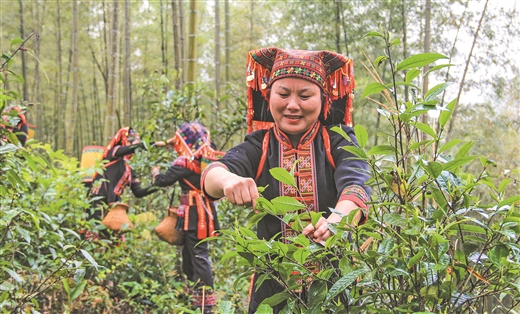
[305, 140]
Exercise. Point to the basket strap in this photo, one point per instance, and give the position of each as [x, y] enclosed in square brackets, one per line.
[168, 212]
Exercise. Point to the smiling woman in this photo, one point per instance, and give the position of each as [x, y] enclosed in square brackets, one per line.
[294, 98]
[295, 105]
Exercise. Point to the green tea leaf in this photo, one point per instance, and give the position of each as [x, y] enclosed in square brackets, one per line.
[361, 135]
[419, 60]
[283, 176]
[342, 284]
[373, 88]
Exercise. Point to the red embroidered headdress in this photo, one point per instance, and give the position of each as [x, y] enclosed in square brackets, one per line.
[192, 140]
[332, 72]
[123, 137]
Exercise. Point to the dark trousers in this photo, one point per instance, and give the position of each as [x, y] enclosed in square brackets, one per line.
[195, 260]
[267, 289]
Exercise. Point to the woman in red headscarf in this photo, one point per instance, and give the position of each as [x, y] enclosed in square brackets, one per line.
[199, 215]
[20, 129]
[108, 186]
[294, 98]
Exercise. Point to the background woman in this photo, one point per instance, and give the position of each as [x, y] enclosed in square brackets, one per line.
[192, 142]
[107, 187]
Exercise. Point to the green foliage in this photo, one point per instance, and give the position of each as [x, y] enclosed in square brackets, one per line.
[38, 226]
[431, 244]
[46, 265]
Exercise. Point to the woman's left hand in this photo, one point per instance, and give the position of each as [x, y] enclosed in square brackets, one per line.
[320, 233]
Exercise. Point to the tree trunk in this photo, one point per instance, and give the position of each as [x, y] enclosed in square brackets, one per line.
[427, 39]
[192, 48]
[217, 53]
[97, 122]
[111, 125]
[25, 95]
[183, 42]
[106, 39]
[344, 27]
[127, 84]
[461, 85]
[82, 123]
[405, 44]
[228, 39]
[337, 23]
[452, 51]
[59, 109]
[251, 25]
[37, 117]
[176, 45]
[70, 119]
[164, 62]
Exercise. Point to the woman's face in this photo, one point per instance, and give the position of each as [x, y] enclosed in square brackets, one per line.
[295, 104]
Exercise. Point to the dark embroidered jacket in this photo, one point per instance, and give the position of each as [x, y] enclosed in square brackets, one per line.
[118, 175]
[321, 183]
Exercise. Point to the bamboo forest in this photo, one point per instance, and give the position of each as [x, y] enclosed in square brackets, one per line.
[161, 96]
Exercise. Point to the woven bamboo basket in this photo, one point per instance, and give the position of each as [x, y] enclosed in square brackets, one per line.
[89, 156]
[117, 217]
[166, 228]
[31, 130]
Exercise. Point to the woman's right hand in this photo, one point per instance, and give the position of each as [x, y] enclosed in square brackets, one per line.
[156, 170]
[219, 182]
[240, 190]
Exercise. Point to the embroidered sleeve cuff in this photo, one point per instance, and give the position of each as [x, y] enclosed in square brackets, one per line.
[359, 196]
[203, 176]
